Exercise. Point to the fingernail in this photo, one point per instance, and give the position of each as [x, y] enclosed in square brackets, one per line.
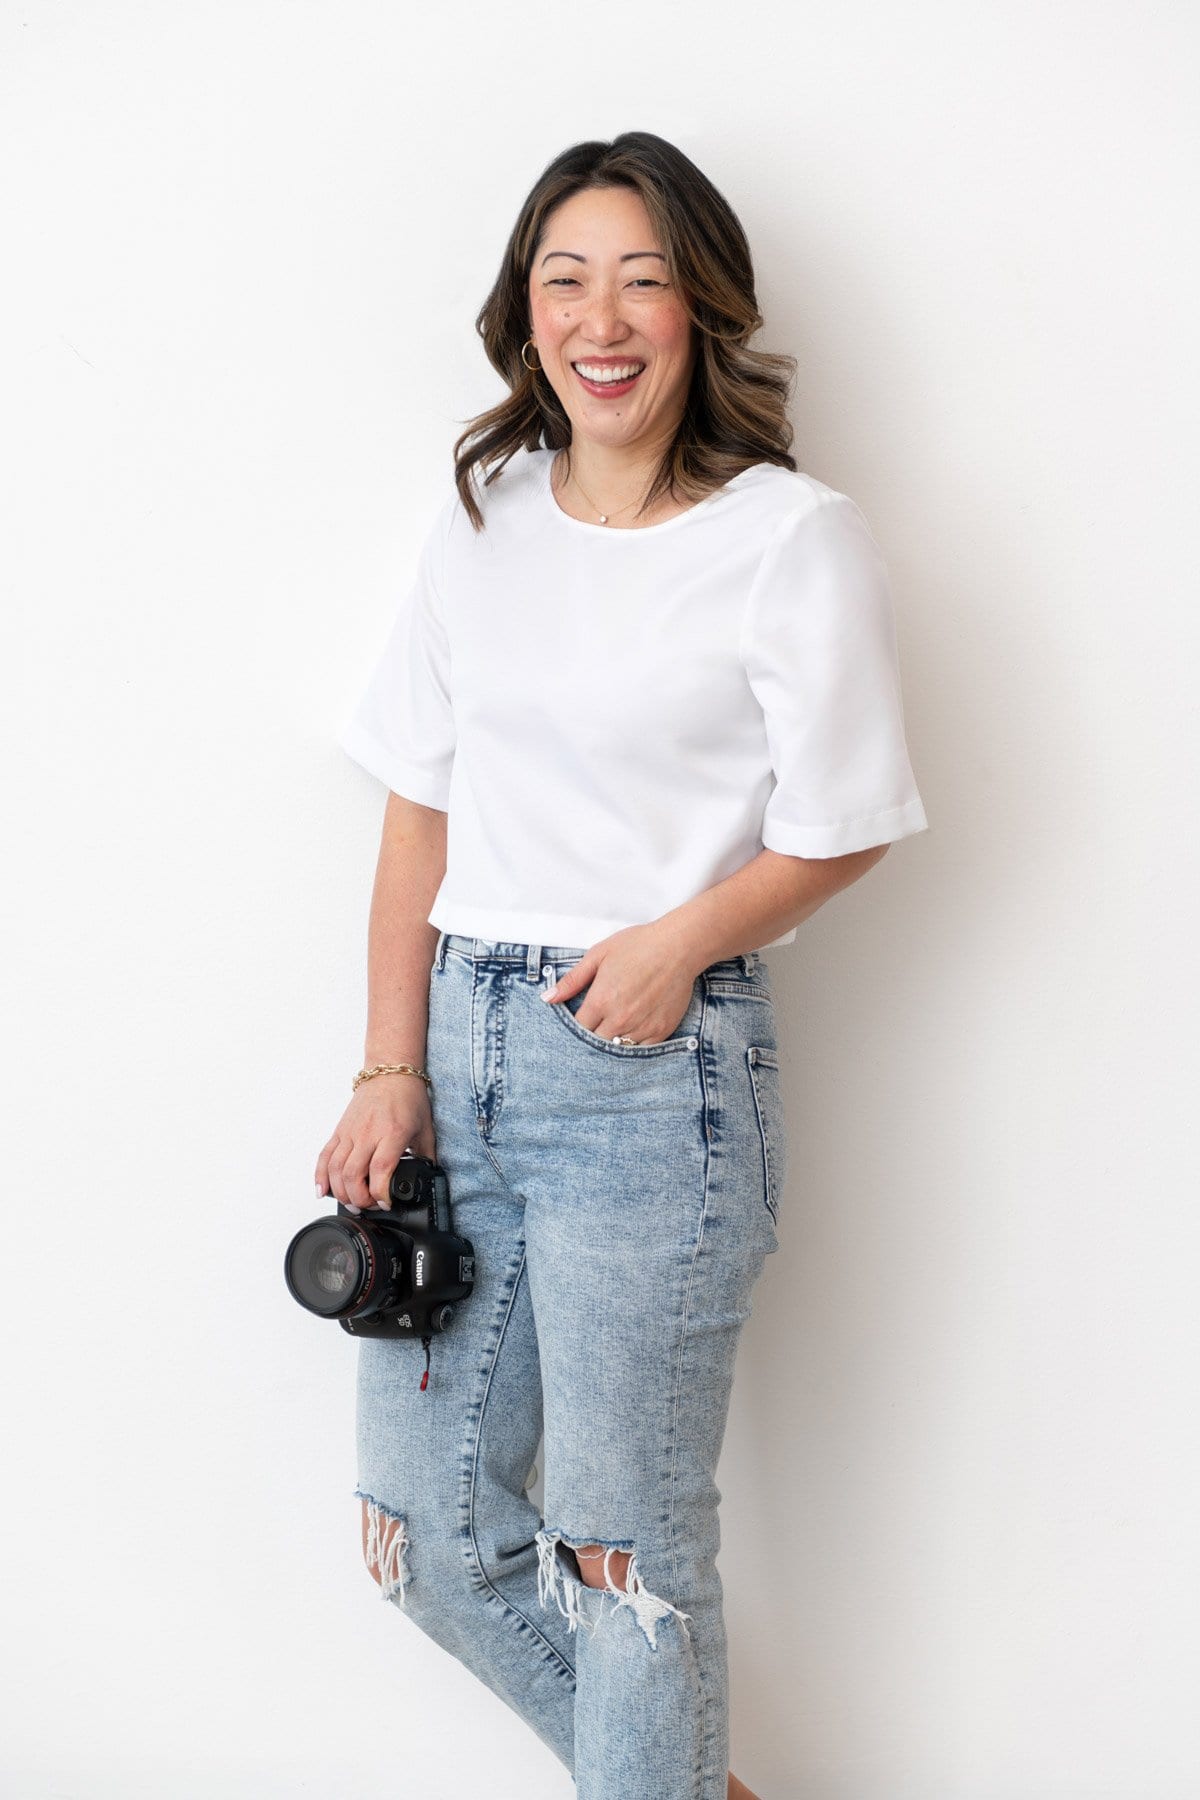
[320, 1192]
[550, 992]
[356, 1210]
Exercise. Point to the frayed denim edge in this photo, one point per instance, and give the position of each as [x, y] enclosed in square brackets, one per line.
[393, 1574]
[553, 1575]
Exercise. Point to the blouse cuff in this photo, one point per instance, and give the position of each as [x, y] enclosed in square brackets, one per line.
[850, 835]
[427, 787]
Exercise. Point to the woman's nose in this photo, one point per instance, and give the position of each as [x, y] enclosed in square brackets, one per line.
[602, 322]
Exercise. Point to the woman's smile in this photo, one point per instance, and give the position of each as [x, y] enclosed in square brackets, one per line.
[606, 375]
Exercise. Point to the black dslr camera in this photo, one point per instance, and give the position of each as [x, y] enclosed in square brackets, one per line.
[386, 1274]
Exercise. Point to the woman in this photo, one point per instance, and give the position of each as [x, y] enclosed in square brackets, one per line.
[640, 716]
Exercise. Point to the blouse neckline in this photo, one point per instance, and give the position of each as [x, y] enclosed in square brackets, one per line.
[625, 530]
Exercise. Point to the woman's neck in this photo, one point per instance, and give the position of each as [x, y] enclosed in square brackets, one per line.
[600, 480]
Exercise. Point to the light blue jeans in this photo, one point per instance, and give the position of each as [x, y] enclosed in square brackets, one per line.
[621, 1200]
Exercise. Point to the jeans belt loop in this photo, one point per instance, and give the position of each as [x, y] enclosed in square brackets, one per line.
[533, 962]
[747, 961]
[439, 954]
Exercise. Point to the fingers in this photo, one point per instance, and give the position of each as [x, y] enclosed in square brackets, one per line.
[573, 981]
[360, 1178]
[355, 1167]
[386, 1155]
[649, 1013]
[570, 981]
[359, 1172]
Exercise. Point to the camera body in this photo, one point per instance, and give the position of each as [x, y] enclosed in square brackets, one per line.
[386, 1274]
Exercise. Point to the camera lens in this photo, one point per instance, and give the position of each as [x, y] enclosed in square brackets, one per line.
[329, 1266]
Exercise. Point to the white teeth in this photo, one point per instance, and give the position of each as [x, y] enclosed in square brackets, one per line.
[607, 375]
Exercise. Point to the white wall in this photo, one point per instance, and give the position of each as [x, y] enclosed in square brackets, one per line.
[244, 247]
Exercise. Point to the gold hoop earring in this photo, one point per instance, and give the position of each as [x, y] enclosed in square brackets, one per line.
[532, 366]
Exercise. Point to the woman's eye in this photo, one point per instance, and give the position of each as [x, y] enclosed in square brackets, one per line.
[569, 281]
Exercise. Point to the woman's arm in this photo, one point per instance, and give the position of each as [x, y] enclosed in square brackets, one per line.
[400, 941]
[391, 1113]
[640, 978]
[763, 899]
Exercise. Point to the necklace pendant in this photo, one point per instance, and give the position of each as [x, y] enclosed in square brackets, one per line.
[604, 518]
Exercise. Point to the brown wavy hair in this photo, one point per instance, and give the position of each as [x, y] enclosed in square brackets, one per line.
[735, 413]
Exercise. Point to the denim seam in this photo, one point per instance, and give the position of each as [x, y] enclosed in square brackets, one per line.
[762, 1056]
[479, 1568]
[706, 1697]
[736, 990]
[707, 1147]
[501, 1022]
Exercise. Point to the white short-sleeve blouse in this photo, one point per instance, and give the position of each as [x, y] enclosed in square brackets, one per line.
[614, 720]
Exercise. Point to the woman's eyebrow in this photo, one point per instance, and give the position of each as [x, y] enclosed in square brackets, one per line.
[629, 256]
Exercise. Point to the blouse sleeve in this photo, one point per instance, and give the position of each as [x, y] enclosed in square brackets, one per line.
[819, 649]
[402, 727]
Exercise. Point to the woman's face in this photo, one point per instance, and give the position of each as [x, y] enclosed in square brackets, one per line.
[599, 297]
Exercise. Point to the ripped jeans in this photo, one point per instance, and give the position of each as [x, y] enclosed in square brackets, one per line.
[621, 1200]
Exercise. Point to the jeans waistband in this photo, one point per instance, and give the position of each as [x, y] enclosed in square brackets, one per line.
[533, 956]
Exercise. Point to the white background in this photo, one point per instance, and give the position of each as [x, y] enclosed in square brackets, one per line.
[244, 246]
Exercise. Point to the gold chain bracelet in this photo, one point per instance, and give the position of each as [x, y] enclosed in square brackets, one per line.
[391, 1069]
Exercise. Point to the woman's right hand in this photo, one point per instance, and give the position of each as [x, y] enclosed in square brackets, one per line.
[384, 1117]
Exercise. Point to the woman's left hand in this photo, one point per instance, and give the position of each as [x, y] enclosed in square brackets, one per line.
[639, 990]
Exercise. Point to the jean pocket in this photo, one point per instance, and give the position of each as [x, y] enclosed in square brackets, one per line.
[682, 1038]
[762, 1061]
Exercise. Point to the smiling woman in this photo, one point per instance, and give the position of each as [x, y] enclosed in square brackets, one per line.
[617, 347]
[626, 258]
[640, 716]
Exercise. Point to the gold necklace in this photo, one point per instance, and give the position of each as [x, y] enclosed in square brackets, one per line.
[602, 516]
